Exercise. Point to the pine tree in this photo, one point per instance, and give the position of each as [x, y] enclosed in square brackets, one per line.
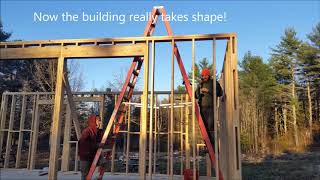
[257, 88]
[284, 62]
[4, 36]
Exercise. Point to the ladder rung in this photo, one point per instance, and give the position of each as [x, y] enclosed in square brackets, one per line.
[135, 72]
[121, 110]
[131, 85]
[126, 98]
[118, 124]
[106, 150]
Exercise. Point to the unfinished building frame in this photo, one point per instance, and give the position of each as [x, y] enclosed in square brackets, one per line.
[226, 109]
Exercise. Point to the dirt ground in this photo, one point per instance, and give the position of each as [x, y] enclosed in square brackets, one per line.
[286, 166]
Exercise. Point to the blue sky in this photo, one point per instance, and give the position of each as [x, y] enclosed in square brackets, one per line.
[259, 26]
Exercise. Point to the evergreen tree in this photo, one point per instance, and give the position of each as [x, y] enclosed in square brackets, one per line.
[284, 62]
[257, 88]
[4, 36]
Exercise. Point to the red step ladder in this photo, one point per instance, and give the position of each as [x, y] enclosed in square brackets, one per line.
[120, 108]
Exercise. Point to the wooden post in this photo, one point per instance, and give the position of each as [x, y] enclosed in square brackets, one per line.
[235, 139]
[151, 110]
[193, 111]
[181, 135]
[31, 150]
[125, 132]
[230, 147]
[143, 123]
[4, 105]
[101, 110]
[21, 131]
[128, 139]
[155, 136]
[9, 138]
[225, 119]
[187, 134]
[115, 143]
[56, 121]
[76, 158]
[172, 109]
[71, 104]
[209, 167]
[169, 139]
[66, 139]
[215, 111]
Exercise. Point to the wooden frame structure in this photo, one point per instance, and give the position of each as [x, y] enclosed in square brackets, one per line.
[61, 50]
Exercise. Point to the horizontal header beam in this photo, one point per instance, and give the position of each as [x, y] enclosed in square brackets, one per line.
[18, 53]
[91, 93]
[113, 41]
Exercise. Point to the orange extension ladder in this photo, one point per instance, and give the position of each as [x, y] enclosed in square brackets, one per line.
[125, 95]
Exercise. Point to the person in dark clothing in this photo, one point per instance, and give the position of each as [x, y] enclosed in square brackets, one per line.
[204, 94]
[89, 143]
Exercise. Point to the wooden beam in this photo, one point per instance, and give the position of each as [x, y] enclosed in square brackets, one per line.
[9, 137]
[215, 110]
[76, 160]
[187, 134]
[101, 110]
[20, 140]
[104, 51]
[4, 105]
[128, 139]
[143, 123]
[169, 139]
[155, 137]
[111, 41]
[181, 135]
[151, 110]
[75, 99]
[193, 112]
[171, 110]
[29, 53]
[226, 154]
[56, 121]
[71, 103]
[66, 139]
[34, 116]
[237, 172]
[209, 167]
[113, 154]
[72, 52]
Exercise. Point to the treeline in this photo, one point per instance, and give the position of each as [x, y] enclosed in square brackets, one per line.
[35, 75]
[280, 98]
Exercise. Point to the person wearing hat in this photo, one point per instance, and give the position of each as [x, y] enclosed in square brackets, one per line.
[204, 94]
[89, 143]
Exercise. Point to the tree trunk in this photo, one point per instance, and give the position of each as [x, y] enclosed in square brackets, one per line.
[276, 125]
[294, 116]
[310, 108]
[255, 119]
[284, 111]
